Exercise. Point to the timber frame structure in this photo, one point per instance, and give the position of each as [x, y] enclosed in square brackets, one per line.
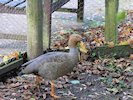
[36, 23]
[10, 6]
[49, 6]
[13, 7]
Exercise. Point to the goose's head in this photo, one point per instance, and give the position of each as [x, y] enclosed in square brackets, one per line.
[74, 39]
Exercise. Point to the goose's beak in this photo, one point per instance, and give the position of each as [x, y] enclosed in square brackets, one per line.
[82, 46]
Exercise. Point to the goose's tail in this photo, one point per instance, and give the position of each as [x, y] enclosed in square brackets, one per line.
[27, 63]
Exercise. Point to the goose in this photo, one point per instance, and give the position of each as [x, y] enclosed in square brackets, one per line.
[52, 65]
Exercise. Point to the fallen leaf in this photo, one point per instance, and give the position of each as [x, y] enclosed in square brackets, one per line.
[32, 98]
[5, 59]
[130, 41]
[129, 69]
[44, 96]
[113, 90]
[97, 72]
[130, 74]
[26, 86]
[110, 44]
[59, 86]
[13, 85]
[131, 56]
[83, 47]
[123, 43]
[1, 56]
[115, 81]
[115, 75]
[70, 93]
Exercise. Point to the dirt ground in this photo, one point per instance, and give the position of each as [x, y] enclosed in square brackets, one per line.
[86, 82]
[13, 25]
[92, 79]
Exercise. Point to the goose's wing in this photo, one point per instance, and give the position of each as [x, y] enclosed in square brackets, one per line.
[33, 65]
[53, 70]
[47, 57]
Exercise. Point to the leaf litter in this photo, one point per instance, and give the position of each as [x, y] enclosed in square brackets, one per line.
[99, 79]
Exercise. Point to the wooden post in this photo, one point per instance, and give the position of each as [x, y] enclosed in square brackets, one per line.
[111, 31]
[34, 13]
[80, 11]
[47, 24]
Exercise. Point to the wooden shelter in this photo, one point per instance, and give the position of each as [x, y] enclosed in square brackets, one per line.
[35, 11]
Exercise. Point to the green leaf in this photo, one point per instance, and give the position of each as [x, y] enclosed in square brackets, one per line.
[129, 69]
[122, 84]
[114, 90]
[93, 54]
[121, 16]
[32, 98]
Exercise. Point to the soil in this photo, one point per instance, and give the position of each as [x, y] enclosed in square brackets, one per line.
[87, 84]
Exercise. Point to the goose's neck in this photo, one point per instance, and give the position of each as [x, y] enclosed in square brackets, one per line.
[74, 51]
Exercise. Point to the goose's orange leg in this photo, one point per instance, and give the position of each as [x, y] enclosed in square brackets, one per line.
[53, 91]
[37, 82]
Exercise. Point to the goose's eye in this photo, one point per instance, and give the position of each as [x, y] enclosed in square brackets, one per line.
[84, 39]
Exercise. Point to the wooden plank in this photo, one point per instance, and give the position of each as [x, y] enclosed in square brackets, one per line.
[58, 4]
[6, 68]
[34, 14]
[67, 10]
[117, 51]
[16, 10]
[13, 36]
[47, 24]
[80, 11]
[12, 10]
[111, 31]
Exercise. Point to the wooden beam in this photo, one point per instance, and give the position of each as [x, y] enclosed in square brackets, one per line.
[34, 13]
[13, 36]
[7, 68]
[117, 51]
[12, 10]
[58, 4]
[67, 10]
[47, 24]
[111, 31]
[80, 11]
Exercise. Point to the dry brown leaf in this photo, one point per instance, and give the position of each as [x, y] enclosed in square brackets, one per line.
[97, 72]
[59, 86]
[26, 86]
[115, 80]
[131, 56]
[88, 71]
[88, 83]
[110, 44]
[44, 96]
[130, 41]
[13, 85]
[115, 75]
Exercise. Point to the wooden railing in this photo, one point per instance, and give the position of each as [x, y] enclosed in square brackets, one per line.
[6, 7]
